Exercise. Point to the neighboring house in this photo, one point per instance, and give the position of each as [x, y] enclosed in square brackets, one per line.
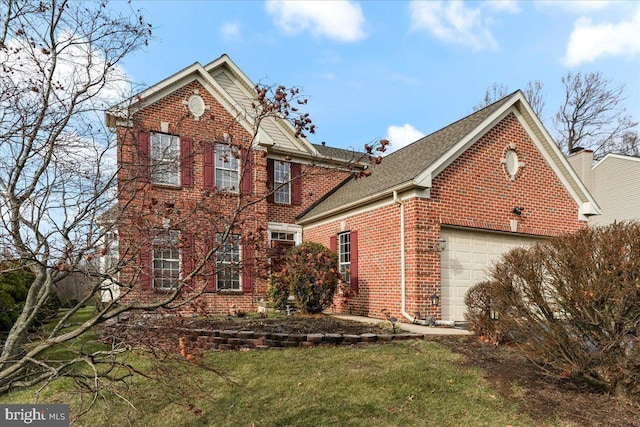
[613, 182]
[432, 216]
[190, 152]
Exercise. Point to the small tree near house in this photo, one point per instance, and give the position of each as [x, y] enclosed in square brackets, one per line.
[63, 195]
[311, 275]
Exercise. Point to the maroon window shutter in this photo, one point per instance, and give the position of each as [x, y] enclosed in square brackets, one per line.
[186, 162]
[270, 180]
[247, 174]
[296, 184]
[187, 259]
[333, 243]
[210, 270]
[247, 279]
[208, 166]
[143, 156]
[354, 260]
[146, 268]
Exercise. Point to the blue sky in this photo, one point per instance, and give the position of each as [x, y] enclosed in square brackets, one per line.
[376, 69]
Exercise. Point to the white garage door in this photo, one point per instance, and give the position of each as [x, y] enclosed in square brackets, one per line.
[465, 262]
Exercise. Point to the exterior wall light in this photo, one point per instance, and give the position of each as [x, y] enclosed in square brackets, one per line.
[434, 300]
[440, 245]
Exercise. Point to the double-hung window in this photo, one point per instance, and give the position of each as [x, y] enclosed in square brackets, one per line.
[344, 259]
[227, 167]
[282, 182]
[165, 159]
[166, 260]
[228, 263]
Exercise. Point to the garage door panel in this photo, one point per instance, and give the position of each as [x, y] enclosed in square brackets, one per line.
[466, 260]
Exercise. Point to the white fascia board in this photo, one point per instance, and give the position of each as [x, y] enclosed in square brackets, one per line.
[616, 156]
[585, 201]
[362, 202]
[425, 177]
[385, 201]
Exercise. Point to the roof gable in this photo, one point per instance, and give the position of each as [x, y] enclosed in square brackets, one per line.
[415, 165]
[233, 90]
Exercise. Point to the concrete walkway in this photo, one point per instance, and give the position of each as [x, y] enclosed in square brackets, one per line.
[408, 327]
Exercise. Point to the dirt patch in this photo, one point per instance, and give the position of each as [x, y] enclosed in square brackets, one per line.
[518, 380]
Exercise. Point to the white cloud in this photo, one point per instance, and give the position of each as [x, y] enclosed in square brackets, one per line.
[337, 20]
[452, 22]
[508, 6]
[230, 30]
[574, 6]
[401, 136]
[590, 41]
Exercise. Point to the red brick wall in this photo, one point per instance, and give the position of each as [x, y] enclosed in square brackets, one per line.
[193, 210]
[474, 191]
[316, 182]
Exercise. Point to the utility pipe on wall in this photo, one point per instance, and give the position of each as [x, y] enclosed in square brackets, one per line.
[403, 278]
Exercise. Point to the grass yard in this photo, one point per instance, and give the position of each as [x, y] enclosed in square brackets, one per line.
[405, 384]
[401, 383]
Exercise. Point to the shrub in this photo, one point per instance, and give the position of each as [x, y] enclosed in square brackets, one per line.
[482, 313]
[278, 291]
[14, 286]
[311, 275]
[575, 300]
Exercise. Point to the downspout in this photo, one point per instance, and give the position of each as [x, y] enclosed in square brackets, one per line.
[403, 278]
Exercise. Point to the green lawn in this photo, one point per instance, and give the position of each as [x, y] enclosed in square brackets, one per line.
[403, 383]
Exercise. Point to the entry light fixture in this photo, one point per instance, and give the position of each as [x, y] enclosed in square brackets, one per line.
[434, 300]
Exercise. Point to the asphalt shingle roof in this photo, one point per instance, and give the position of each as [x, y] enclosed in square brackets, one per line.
[405, 164]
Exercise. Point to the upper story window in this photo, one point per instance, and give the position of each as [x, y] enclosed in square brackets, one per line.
[166, 260]
[344, 256]
[227, 166]
[165, 159]
[282, 181]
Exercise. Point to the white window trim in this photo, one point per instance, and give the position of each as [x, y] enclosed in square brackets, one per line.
[239, 289]
[281, 186]
[235, 187]
[282, 227]
[179, 259]
[343, 267]
[155, 163]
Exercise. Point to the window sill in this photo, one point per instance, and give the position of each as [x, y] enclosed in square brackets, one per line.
[229, 292]
[167, 186]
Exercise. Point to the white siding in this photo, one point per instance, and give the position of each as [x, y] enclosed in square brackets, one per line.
[282, 141]
[616, 188]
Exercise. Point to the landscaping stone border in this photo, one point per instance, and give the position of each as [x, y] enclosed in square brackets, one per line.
[218, 339]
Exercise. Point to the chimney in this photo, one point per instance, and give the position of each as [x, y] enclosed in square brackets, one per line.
[581, 160]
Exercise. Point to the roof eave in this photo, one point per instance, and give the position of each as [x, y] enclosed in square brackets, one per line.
[361, 202]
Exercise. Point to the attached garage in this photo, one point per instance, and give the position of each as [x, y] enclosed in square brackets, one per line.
[465, 262]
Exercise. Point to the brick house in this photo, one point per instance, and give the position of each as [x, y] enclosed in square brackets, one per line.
[433, 215]
[427, 221]
[190, 153]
